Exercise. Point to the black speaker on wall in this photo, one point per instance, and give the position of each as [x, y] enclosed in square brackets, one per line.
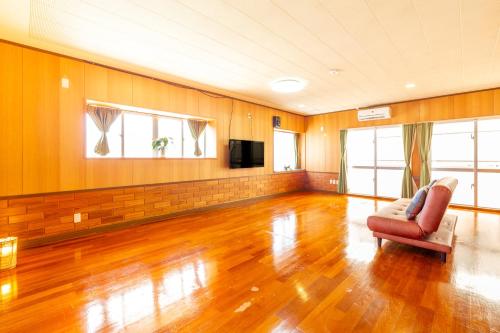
[276, 122]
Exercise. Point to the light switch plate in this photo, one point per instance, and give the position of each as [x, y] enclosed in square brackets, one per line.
[65, 83]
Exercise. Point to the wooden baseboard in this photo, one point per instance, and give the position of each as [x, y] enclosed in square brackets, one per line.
[30, 243]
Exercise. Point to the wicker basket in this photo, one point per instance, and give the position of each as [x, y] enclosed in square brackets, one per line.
[8, 253]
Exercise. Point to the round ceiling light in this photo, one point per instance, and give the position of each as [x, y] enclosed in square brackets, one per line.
[288, 85]
[410, 85]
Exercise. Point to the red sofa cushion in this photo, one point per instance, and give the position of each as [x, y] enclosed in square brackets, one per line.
[392, 220]
[435, 206]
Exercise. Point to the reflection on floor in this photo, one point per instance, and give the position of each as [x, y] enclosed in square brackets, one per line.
[300, 262]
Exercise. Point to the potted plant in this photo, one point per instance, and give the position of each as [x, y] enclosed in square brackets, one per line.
[160, 145]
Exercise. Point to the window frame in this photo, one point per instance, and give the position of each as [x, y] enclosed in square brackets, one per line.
[274, 151]
[475, 170]
[155, 117]
[375, 166]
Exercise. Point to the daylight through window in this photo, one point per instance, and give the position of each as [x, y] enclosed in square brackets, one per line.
[131, 135]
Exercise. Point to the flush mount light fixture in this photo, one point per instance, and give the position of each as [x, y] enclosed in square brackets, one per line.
[288, 85]
[410, 85]
[334, 71]
[302, 106]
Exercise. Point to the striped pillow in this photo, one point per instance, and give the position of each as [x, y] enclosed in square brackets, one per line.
[417, 203]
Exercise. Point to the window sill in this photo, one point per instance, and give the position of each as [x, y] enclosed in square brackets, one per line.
[290, 171]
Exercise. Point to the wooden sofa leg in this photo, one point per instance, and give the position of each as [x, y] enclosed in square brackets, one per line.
[379, 242]
[442, 257]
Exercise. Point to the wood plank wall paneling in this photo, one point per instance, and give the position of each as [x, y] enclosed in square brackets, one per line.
[478, 104]
[72, 120]
[40, 122]
[11, 124]
[496, 102]
[436, 109]
[460, 106]
[43, 126]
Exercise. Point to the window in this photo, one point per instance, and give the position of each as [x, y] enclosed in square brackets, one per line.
[114, 136]
[138, 135]
[488, 163]
[488, 154]
[361, 161]
[453, 145]
[285, 151]
[172, 129]
[452, 154]
[467, 150]
[390, 161]
[375, 161]
[132, 133]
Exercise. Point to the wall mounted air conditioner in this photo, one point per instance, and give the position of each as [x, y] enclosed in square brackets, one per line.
[383, 112]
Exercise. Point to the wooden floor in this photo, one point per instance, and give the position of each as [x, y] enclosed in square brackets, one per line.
[303, 262]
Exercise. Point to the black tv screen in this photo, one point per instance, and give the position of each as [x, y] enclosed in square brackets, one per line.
[246, 154]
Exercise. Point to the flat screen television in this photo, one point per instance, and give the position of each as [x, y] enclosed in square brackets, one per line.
[246, 154]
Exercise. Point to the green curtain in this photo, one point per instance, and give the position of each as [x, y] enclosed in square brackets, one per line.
[408, 187]
[342, 186]
[424, 131]
[296, 145]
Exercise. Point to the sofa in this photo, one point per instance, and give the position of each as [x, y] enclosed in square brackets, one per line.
[432, 228]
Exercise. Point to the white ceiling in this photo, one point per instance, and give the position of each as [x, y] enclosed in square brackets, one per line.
[443, 46]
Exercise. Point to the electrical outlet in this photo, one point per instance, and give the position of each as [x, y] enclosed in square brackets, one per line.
[331, 181]
[77, 218]
[334, 182]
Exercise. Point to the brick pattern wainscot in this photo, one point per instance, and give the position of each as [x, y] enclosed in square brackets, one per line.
[320, 181]
[40, 216]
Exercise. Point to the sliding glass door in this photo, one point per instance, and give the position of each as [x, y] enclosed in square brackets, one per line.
[467, 150]
[375, 161]
[488, 163]
[470, 152]
[390, 161]
[453, 155]
[361, 161]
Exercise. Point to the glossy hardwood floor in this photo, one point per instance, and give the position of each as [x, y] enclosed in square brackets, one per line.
[303, 262]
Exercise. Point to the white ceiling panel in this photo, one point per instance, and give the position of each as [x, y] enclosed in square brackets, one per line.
[238, 46]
